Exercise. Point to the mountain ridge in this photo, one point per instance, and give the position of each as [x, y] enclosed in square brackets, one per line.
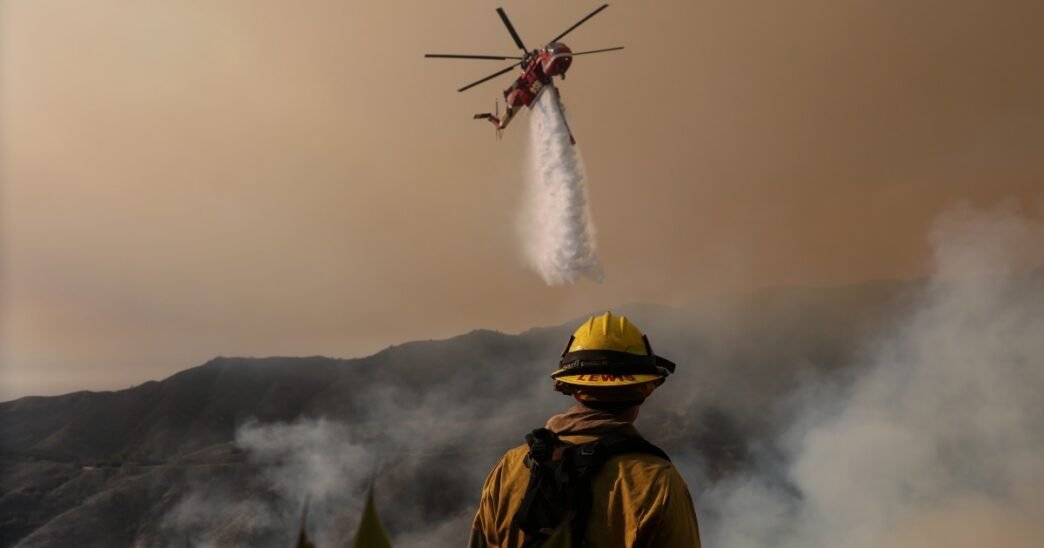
[128, 460]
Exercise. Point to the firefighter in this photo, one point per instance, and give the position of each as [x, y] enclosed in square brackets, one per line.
[588, 471]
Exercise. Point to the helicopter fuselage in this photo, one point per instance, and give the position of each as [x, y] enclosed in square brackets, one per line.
[538, 69]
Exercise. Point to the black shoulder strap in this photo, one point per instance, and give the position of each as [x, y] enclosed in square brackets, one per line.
[543, 506]
[595, 453]
[560, 481]
[588, 458]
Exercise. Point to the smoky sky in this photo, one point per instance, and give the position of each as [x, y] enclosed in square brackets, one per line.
[191, 179]
[922, 431]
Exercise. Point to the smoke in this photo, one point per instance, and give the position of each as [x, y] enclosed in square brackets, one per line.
[939, 440]
[309, 460]
[557, 231]
[425, 453]
[931, 435]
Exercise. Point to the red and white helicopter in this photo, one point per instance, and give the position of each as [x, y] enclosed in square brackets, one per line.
[539, 67]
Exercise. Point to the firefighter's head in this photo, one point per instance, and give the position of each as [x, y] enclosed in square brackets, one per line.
[609, 364]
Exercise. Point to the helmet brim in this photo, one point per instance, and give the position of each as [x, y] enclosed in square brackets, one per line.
[604, 379]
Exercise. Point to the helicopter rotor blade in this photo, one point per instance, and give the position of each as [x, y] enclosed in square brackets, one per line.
[490, 77]
[511, 29]
[580, 22]
[459, 56]
[596, 51]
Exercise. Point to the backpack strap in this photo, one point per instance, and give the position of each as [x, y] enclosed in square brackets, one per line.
[560, 477]
[595, 453]
[588, 458]
[542, 507]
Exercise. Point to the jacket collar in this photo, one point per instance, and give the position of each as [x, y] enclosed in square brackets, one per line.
[584, 421]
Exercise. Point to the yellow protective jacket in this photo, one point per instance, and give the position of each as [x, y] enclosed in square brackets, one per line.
[638, 500]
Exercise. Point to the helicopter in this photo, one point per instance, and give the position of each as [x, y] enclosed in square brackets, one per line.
[539, 67]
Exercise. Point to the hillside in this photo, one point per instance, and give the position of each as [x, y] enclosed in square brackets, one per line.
[224, 453]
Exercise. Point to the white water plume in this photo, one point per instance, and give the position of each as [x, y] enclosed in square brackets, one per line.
[558, 234]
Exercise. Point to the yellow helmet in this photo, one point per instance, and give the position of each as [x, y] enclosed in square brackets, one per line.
[605, 355]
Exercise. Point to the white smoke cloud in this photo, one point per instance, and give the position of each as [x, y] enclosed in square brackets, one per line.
[308, 460]
[557, 231]
[203, 519]
[940, 441]
[406, 446]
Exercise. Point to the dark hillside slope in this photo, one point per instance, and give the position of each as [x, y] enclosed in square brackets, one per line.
[202, 406]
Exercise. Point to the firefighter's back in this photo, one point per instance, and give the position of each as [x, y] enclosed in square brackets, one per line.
[638, 500]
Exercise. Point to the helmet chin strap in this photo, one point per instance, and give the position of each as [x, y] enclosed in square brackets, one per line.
[568, 345]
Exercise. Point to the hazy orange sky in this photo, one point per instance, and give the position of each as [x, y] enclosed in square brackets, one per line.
[188, 179]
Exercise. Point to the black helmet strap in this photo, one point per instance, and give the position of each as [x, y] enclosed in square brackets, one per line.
[614, 362]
